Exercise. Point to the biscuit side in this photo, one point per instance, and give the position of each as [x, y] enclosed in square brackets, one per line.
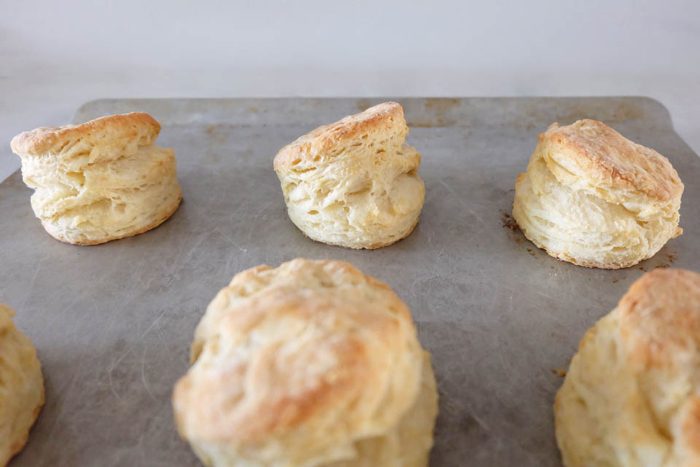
[21, 387]
[631, 395]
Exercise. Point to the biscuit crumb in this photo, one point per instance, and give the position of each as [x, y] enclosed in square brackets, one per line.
[508, 222]
[560, 373]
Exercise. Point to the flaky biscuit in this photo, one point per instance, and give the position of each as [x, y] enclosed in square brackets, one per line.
[309, 364]
[21, 386]
[354, 183]
[99, 181]
[631, 396]
[592, 197]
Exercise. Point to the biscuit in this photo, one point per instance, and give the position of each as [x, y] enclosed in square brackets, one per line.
[631, 396]
[21, 386]
[311, 363]
[594, 198]
[354, 183]
[99, 181]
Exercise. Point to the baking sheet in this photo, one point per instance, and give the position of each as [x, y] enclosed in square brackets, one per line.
[113, 323]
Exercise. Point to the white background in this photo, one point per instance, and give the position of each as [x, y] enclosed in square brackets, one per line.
[56, 55]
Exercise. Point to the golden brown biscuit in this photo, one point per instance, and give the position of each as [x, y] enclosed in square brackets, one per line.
[21, 386]
[99, 181]
[594, 198]
[631, 396]
[354, 183]
[309, 364]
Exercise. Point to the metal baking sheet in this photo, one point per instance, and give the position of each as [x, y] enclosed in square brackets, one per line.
[113, 323]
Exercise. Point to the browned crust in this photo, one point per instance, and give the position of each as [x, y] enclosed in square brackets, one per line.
[660, 317]
[691, 425]
[50, 140]
[287, 410]
[604, 154]
[327, 137]
[150, 226]
[659, 324]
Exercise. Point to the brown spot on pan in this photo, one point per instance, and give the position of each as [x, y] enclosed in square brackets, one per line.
[626, 111]
[438, 113]
[441, 105]
[217, 132]
[508, 222]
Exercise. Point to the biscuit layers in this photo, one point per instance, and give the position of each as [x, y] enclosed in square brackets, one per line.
[354, 183]
[99, 181]
[592, 197]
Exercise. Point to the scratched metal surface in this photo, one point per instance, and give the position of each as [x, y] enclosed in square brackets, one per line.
[112, 323]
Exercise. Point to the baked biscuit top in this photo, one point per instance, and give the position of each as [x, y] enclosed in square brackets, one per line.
[660, 318]
[105, 130]
[385, 120]
[592, 153]
[310, 344]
